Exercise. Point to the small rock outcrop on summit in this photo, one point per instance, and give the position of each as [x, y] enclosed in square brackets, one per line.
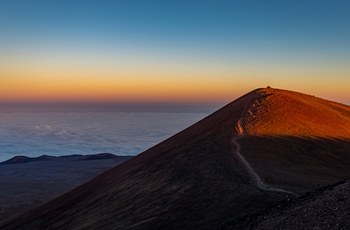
[294, 142]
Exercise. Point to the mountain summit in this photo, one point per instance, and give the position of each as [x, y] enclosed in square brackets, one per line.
[264, 147]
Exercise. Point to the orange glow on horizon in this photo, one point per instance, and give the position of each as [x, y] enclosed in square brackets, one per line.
[118, 89]
[53, 83]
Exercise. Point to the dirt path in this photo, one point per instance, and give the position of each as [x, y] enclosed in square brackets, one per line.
[253, 175]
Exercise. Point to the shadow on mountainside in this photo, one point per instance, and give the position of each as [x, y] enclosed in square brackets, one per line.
[326, 208]
[296, 163]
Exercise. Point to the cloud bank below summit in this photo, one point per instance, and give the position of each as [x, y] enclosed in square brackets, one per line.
[57, 133]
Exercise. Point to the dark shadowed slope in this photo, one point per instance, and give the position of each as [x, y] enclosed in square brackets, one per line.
[324, 209]
[196, 178]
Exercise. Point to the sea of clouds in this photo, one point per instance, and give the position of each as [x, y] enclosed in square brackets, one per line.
[64, 133]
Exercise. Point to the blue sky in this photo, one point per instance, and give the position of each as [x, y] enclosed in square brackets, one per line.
[234, 41]
[217, 24]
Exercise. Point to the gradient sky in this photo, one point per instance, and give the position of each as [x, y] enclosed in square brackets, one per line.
[183, 51]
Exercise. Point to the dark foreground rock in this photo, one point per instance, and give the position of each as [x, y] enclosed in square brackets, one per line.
[326, 208]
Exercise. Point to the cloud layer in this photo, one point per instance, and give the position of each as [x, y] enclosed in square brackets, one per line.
[64, 133]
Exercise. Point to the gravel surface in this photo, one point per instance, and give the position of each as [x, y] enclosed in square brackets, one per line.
[326, 208]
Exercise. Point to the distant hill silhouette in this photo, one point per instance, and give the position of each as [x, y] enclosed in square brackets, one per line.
[264, 147]
[25, 159]
[100, 156]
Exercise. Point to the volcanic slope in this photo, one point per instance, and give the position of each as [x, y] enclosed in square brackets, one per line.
[263, 147]
[326, 208]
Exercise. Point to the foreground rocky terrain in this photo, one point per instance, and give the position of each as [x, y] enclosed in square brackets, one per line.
[326, 208]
